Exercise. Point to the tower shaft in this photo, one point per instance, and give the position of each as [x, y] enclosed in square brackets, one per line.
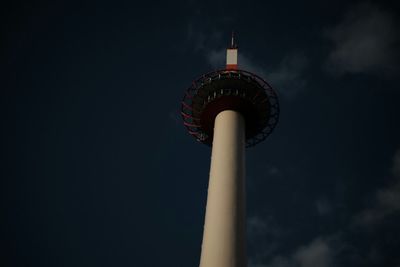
[224, 240]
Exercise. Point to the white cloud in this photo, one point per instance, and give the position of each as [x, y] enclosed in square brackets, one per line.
[260, 227]
[278, 261]
[255, 225]
[265, 236]
[324, 251]
[273, 171]
[318, 253]
[287, 77]
[387, 200]
[323, 207]
[396, 164]
[365, 41]
[197, 39]
[216, 58]
[202, 41]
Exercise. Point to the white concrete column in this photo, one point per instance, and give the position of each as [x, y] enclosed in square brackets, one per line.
[224, 239]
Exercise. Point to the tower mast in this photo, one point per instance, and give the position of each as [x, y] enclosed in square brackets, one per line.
[224, 228]
[228, 109]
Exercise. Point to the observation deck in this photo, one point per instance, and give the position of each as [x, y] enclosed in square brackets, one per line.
[230, 89]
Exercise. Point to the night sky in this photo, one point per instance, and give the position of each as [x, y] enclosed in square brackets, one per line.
[98, 170]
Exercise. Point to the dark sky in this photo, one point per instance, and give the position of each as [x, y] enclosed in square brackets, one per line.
[98, 170]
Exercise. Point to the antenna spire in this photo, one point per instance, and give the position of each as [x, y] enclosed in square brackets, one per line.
[233, 45]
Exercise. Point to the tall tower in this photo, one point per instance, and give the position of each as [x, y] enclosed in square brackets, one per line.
[228, 109]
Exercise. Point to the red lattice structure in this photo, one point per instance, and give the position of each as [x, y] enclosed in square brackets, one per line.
[230, 89]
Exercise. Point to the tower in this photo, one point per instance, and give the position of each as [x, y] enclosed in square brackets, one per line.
[229, 110]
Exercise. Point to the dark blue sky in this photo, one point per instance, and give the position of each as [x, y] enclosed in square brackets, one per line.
[98, 170]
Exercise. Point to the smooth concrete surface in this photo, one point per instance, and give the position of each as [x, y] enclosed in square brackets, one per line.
[224, 240]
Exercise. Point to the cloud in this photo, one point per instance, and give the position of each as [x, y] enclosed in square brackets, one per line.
[288, 76]
[264, 237]
[258, 227]
[255, 225]
[197, 39]
[216, 58]
[318, 253]
[202, 41]
[323, 207]
[396, 164]
[278, 261]
[365, 41]
[273, 171]
[339, 246]
[387, 200]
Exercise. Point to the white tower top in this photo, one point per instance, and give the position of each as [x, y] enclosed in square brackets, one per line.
[231, 55]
